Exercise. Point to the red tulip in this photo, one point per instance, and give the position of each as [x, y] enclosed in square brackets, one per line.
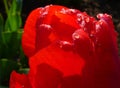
[19, 80]
[29, 34]
[69, 49]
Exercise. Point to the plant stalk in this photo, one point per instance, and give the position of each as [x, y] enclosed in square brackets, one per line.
[6, 6]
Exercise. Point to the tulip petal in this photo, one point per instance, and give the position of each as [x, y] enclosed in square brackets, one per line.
[67, 46]
[29, 34]
[69, 63]
[19, 80]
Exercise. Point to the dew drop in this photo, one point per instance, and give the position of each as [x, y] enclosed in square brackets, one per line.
[83, 23]
[63, 11]
[79, 15]
[91, 35]
[45, 13]
[72, 11]
[65, 45]
[75, 36]
[97, 27]
[87, 19]
[79, 20]
[44, 29]
[68, 11]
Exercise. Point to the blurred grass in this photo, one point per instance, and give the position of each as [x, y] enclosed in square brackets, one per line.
[11, 54]
[3, 87]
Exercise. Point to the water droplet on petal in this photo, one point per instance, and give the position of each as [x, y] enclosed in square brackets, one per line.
[75, 36]
[79, 15]
[45, 13]
[79, 20]
[69, 11]
[63, 11]
[91, 35]
[97, 27]
[87, 19]
[82, 23]
[65, 45]
[72, 11]
[44, 29]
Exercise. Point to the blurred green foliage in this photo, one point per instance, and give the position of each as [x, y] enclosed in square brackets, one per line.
[11, 54]
[14, 22]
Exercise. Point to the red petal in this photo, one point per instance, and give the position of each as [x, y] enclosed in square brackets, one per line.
[19, 80]
[64, 25]
[106, 37]
[43, 32]
[47, 77]
[49, 11]
[28, 37]
[83, 44]
[99, 69]
[107, 29]
[69, 63]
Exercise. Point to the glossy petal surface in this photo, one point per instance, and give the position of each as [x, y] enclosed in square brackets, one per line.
[29, 34]
[68, 48]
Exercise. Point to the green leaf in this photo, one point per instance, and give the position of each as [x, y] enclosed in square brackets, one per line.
[23, 59]
[14, 20]
[1, 29]
[11, 45]
[24, 70]
[1, 23]
[4, 87]
[6, 67]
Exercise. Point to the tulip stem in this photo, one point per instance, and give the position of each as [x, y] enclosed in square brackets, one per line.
[6, 6]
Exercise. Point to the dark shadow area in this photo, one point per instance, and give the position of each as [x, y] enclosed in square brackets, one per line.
[71, 82]
[49, 77]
